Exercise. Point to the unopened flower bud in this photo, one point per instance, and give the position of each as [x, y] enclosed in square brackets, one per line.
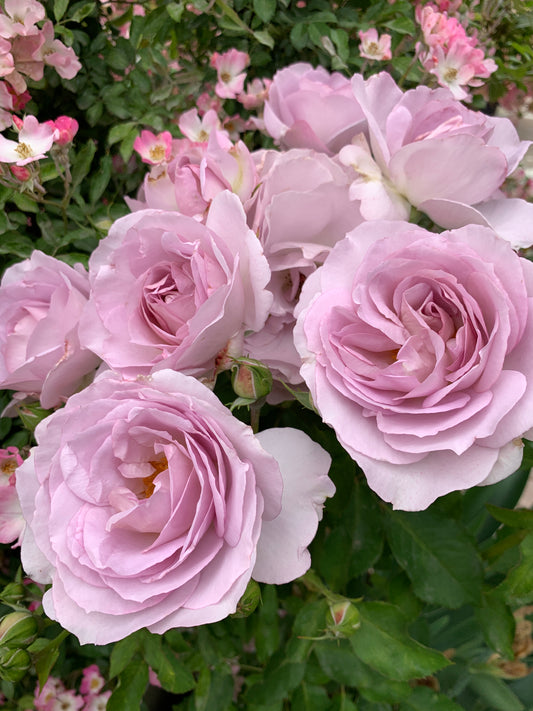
[12, 593]
[346, 618]
[20, 172]
[14, 663]
[17, 629]
[66, 128]
[249, 600]
[251, 379]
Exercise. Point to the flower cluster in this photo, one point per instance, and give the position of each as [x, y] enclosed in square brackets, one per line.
[54, 695]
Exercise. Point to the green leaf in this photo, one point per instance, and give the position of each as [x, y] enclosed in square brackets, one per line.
[382, 642]
[423, 699]
[308, 697]
[517, 587]
[126, 145]
[263, 37]
[120, 131]
[497, 623]
[60, 7]
[130, 689]
[339, 662]
[299, 36]
[175, 10]
[123, 652]
[82, 11]
[82, 163]
[265, 9]
[46, 657]
[31, 414]
[267, 624]
[16, 244]
[495, 692]
[216, 690]
[100, 179]
[276, 683]
[437, 555]
[24, 202]
[515, 518]
[172, 674]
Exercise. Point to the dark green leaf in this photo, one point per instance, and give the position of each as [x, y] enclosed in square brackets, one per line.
[172, 674]
[438, 556]
[299, 35]
[495, 692]
[267, 624]
[382, 642]
[82, 11]
[339, 662]
[264, 37]
[425, 699]
[515, 518]
[276, 683]
[123, 652]
[497, 624]
[24, 202]
[130, 689]
[82, 163]
[16, 244]
[265, 9]
[175, 10]
[517, 587]
[100, 179]
[309, 697]
[59, 8]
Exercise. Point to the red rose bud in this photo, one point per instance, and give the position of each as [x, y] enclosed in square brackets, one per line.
[17, 629]
[346, 618]
[251, 379]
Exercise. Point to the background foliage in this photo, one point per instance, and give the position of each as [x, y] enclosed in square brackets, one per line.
[436, 604]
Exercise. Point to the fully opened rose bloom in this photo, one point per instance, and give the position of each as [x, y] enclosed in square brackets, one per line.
[149, 505]
[41, 301]
[428, 150]
[311, 108]
[416, 348]
[34, 141]
[169, 291]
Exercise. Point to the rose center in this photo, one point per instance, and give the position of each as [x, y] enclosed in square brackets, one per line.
[159, 465]
[24, 150]
[157, 153]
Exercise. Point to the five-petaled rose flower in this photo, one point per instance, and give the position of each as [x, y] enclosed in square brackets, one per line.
[149, 504]
[41, 301]
[417, 350]
[169, 291]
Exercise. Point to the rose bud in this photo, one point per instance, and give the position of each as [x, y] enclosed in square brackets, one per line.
[251, 379]
[249, 600]
[17, 629]
[346, 618]
[14, 663]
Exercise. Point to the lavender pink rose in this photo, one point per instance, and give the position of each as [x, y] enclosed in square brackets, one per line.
[148, 504]
[416, 348]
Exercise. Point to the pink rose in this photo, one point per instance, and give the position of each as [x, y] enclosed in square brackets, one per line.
[169, 291]
[416, 348]
[191, 506]
[11, 519]
[41, 301]
[299, 211]
[311, 108]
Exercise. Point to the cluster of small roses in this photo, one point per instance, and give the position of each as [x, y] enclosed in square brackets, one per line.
[449, 53]
[54, 695]
[24, 50]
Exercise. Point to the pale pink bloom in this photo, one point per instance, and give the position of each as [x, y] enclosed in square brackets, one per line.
[459, 66]
[169, 291]
[34, 141]
[7, 63]
[44, 699]
[373, 46]
[206, 101]
[41, 301]
[6, 106]
[98, 702]
[256, 93]
[66, 128]
[439, 29]
[24, 49]
[54, 53]
[19, 18]
[230, 74]
[192, 506]
[311, 108]
[234, 126]
[11, 519]
[415, 347]
[153, 149]
[92, 680]
[198, 129]
[67, 700]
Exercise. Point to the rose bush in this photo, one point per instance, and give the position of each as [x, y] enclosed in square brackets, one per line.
[169, 291]
[41, 301]
[416, 349]
[149, 505]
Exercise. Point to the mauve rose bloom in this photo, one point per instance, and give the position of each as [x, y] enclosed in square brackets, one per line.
[428, 150]
[311, 108]
[416, 348]
[169, 291]
[192, 505]
[300, 210]
[41, 301]
[11, 520]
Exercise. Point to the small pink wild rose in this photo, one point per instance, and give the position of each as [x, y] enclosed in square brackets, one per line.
[416, 348]
[192, 505]
[169, 291]
[41, 301]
